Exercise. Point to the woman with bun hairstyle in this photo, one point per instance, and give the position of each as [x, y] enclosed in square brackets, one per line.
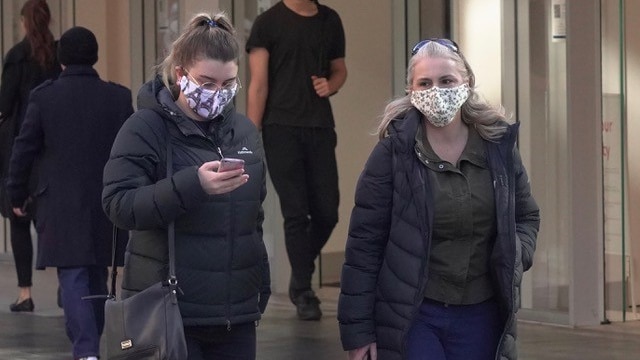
[221, 261]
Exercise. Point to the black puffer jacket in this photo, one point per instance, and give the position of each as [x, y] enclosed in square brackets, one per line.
[221, 261]
[386, 269]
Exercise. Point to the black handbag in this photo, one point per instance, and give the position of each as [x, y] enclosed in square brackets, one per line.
[147, 325]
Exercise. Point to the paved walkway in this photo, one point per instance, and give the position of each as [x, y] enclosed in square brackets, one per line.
[41, 336]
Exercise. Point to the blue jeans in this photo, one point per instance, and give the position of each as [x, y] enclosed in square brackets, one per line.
[455, 332]
[218, 343]
[84, 319]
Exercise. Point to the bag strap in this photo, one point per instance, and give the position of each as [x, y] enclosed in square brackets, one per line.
[171, 231]
[171, 237]
[114, 268]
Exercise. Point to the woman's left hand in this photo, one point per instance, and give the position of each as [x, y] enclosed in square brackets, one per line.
[214, 182]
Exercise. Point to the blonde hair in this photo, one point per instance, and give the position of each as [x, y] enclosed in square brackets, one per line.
[205, 37]
[477, 112]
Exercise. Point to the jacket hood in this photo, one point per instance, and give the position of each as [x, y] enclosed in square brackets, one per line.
[155, 96]
[403, 130]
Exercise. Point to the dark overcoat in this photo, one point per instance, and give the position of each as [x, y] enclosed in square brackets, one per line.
[69, 127]
[20, 74]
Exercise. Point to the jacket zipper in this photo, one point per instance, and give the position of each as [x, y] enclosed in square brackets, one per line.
[230, 242]
[510, 207]
[218, 150]
[420, 294]
[211, 139]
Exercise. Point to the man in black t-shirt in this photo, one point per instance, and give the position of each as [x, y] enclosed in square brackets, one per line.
[296, 59]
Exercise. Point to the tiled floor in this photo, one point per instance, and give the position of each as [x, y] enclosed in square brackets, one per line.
[41, 336]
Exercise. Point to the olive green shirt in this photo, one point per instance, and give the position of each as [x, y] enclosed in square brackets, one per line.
[464, 223]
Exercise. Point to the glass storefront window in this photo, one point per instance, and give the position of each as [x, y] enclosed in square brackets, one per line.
[167, 26]
[538, 58]
[544, 91]
[620, 176]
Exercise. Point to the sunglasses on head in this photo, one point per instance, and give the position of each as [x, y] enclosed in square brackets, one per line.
[450, 44]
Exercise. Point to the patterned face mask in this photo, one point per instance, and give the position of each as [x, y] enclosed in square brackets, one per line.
[440, 105]
[204, 102]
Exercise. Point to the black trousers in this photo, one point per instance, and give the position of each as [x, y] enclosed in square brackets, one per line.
[221, 343]
[302, 166]
[22, 249]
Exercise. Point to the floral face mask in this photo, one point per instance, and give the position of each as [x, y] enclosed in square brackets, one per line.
[204, 102]
[440, 105]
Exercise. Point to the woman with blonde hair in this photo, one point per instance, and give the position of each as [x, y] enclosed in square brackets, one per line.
[443, 227]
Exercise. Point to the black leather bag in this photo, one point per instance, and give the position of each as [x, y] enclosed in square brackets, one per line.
[147, 325]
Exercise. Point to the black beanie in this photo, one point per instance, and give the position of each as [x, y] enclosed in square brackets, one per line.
[78, 46]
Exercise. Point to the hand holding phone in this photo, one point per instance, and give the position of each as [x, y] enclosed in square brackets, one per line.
[227, 164]
[219, 177]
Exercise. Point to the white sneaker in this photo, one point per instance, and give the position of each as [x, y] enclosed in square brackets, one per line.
[89, 358]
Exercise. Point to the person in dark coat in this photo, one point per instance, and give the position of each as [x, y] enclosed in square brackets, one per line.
[221, 261]
[26, 65]
[69, 128]
[443, 227]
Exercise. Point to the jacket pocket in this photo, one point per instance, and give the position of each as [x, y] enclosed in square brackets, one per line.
[40, 207]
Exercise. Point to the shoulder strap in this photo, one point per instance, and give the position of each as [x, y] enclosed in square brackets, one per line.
[171, 231]
[114, 268]
[171, 234]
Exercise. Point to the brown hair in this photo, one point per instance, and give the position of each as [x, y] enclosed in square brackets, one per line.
[205, 37]
[36, 17]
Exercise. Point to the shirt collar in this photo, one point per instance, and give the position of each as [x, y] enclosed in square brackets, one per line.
[474, 151]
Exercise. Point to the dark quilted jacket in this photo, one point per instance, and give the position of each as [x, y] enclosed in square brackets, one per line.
[385, 269]
[221, 260]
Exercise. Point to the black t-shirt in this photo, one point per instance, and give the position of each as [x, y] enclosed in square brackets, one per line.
[299, 47]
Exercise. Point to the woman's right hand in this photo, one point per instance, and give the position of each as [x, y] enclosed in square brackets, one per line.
[214, 182]
[367, 352]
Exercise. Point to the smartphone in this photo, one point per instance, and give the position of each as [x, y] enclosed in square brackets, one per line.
[227, 164]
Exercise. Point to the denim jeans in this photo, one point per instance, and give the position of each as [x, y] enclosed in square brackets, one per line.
[84, 319]
[455, 332]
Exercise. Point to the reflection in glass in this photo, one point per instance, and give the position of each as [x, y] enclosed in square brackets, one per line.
[167, 26]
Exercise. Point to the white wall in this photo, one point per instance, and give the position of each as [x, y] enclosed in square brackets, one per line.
[114, 55]
[358, 105]
[482, 48]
